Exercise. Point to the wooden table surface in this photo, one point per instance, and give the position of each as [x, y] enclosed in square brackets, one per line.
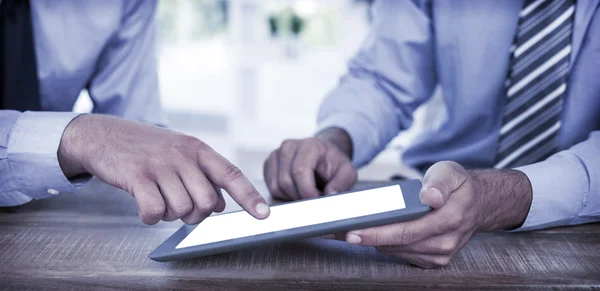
[93, 239]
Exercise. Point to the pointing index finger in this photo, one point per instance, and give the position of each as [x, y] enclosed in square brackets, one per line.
[224, 174]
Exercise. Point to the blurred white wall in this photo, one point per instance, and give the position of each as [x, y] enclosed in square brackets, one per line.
[244, 91]
[227, 80]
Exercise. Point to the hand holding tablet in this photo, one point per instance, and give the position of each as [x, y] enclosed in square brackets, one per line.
[329, 214]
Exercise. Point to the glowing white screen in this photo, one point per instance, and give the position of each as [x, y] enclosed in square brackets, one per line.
[293, 215]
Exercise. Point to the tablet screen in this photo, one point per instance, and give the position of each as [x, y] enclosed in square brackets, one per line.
[298, 214]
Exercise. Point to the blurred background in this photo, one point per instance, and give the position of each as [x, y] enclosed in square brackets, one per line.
[244, 75]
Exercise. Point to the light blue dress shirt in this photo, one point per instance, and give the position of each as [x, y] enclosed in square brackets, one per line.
[104, 46]
[463, 46]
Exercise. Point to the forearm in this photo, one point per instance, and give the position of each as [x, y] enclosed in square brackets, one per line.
[339, 137]
[504, 197]
[72, 140]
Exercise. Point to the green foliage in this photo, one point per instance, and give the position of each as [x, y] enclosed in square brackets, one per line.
[286, 22]
[297, 24]
[273, 25]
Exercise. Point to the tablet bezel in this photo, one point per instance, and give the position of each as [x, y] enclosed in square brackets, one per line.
[167, 251]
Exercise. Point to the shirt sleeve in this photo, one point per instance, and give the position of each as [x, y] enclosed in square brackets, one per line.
[29, 167]
[125, 82]
[391, 75]
[566, 187]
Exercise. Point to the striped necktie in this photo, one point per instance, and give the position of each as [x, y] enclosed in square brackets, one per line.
[536, 83]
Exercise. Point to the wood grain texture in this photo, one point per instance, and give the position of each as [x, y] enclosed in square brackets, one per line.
[93, 240]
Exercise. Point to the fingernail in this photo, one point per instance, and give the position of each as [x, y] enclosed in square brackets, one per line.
[329, 236]
[262, 209]
[353, 239]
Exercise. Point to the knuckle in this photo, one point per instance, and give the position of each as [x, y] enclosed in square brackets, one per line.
[135, 169]
[452, 165]
[447, 167]
[286, 183]
[208, 206]
[279, 195]
[232, 172]
[147, 220]
[175, 149]
[327, 148]
[405, 236]
[190, 146]
[192, 220]
[156, 163]
[273, 155]
[152, 213]
[193, 143]
[352, 174]
[288, 144]
[447, 246]
[379, 238]
[189, 220]
[458, 172]
[273, 187]
[454, 221]
[134, 179]
[181, 210]
[313, 143]
[298, 170]
[140, 172]
[441, 261]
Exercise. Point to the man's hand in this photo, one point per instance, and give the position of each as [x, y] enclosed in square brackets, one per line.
[171, 175]
[464, 202]
[311, 167]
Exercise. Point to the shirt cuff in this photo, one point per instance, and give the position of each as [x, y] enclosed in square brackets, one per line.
[364, 142]
[559, 186]
[33, 154]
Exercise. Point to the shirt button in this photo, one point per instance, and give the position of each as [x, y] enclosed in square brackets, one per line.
[53, 192]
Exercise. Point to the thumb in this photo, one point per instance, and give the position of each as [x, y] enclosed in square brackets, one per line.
[440, 181]
[342, 180]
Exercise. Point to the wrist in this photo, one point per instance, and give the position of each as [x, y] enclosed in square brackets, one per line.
[71, 147]
[504, 198]
[339, 138]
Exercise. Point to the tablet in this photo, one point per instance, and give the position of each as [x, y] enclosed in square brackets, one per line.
[295, 220]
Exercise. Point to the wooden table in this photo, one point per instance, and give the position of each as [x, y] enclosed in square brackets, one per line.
[93, 239]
